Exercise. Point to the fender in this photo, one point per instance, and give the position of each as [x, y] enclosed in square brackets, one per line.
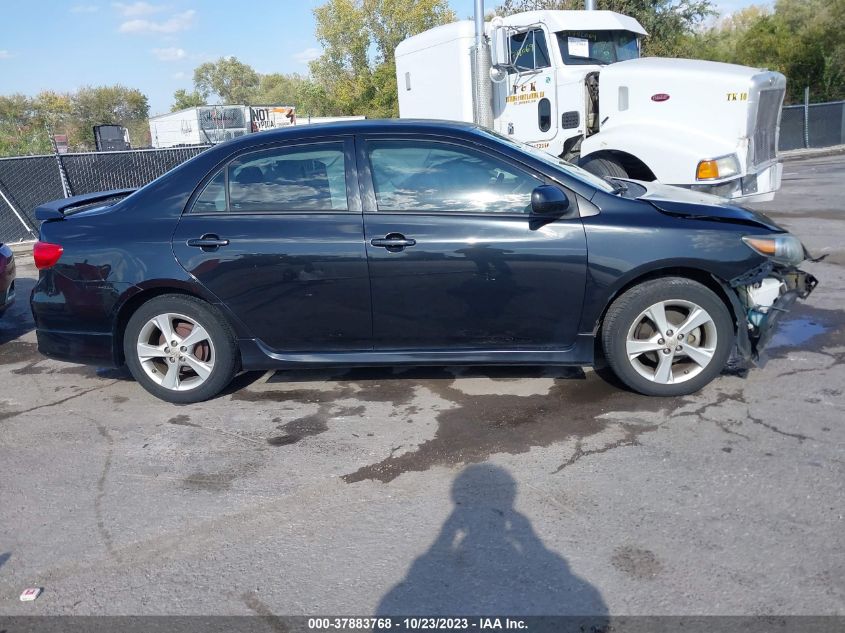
[672, 153]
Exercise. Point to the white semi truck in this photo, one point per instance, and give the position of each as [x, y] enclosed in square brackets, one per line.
[573, 83]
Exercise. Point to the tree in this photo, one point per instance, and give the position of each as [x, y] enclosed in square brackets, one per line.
[668, 22]
[26, 123]
[109, 105]
[183, 99]
[292, 89]
[803, 39]
[230, 79]
[359, 37]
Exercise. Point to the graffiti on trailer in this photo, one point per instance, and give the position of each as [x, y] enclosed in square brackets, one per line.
[212, 118]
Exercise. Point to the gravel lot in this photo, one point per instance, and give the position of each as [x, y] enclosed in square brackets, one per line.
[513, 491]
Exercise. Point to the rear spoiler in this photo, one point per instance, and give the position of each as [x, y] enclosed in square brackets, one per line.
[57, 209]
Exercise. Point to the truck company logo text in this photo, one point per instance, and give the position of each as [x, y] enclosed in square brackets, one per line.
[526, 93]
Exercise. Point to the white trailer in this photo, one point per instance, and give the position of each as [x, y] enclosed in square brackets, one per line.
[202, 125]
[573, 84]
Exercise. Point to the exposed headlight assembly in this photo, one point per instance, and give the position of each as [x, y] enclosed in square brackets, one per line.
[722, 167]
[781, 247]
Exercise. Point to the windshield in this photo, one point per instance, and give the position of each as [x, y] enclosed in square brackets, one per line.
[570, 169]
[597, 47]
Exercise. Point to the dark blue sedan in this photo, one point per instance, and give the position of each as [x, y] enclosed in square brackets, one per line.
[405, 243]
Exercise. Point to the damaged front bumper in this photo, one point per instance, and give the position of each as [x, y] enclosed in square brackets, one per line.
[760, 298]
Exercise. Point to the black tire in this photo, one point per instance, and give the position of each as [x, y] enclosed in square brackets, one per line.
[626, 310]
[222, 349]
[605, 166]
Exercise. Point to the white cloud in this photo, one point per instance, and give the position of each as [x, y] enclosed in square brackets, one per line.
[84, 8]
[179, 22]
[170, 54]
[5, 55]
[309, 54]
[137, 9]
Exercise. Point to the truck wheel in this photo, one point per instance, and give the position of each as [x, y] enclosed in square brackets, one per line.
[605, 167]
[180, 349]
[667, 337]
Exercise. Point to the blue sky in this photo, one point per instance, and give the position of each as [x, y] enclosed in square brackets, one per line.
[154, 45]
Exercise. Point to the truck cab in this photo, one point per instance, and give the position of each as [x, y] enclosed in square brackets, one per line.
[573, 83]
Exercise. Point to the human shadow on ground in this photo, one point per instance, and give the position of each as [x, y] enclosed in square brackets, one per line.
[487, 560]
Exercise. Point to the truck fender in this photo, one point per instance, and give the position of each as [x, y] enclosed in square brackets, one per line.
[671, 155]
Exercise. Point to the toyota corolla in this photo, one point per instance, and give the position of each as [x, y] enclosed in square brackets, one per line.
[405, 243]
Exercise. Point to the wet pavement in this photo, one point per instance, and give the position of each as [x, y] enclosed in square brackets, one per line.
[368, 491]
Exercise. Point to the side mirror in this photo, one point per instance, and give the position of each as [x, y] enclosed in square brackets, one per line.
[499, 47]
[549, 200]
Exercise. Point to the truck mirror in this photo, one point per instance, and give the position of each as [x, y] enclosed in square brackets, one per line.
[499, 45]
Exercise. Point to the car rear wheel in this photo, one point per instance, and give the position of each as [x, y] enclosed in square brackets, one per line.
[667, 337]
[180, 349]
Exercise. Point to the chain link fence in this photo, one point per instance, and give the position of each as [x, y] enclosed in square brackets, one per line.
[29, 181]
[816, 125]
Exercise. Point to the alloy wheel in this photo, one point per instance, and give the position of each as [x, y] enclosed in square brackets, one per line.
[175, 351]
[671, 341]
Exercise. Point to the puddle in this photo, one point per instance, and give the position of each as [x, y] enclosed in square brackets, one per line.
[794, 332]
[807, 328]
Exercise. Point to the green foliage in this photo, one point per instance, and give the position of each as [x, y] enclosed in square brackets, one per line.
[292, 90]
[27, 122]
[359, 37]
[104, 105]
[229, 78]
[182, 99]
[803, 39]
[668, 22]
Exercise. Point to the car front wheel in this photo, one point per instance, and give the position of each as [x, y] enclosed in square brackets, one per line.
[180, 349]
[667, 337]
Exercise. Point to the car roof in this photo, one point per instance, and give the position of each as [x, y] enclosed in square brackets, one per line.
[357, 126]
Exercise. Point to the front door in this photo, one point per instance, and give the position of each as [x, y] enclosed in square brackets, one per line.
[456, 259]
[277, 235]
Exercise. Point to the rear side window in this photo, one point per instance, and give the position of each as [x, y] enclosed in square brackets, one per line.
[213, 197]
[306, 178]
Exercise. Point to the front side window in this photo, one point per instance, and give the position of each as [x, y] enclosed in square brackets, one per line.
[306, 178]
[441, 177]
[529, 51]
[597, 47]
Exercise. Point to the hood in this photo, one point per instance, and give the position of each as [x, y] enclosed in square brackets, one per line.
[685, 203]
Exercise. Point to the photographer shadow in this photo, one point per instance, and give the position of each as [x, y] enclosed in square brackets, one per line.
[487, 560]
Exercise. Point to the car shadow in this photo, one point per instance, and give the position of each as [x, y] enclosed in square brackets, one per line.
[488, 560]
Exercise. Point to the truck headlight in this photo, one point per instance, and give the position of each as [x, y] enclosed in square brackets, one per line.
[722, 167]
[782, 247]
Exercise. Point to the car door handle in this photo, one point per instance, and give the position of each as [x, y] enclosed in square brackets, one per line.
[208, 242]
[393, 242]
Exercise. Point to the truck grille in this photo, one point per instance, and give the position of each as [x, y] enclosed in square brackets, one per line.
[766, 127]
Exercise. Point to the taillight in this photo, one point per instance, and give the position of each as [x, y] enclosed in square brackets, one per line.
[46, 255]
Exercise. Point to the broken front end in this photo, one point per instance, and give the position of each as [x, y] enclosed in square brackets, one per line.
[763, 296]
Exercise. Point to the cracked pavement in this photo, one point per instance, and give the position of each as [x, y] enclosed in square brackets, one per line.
[520, 490]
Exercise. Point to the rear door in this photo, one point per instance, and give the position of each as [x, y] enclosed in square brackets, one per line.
[277, 235]
[456, 258]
